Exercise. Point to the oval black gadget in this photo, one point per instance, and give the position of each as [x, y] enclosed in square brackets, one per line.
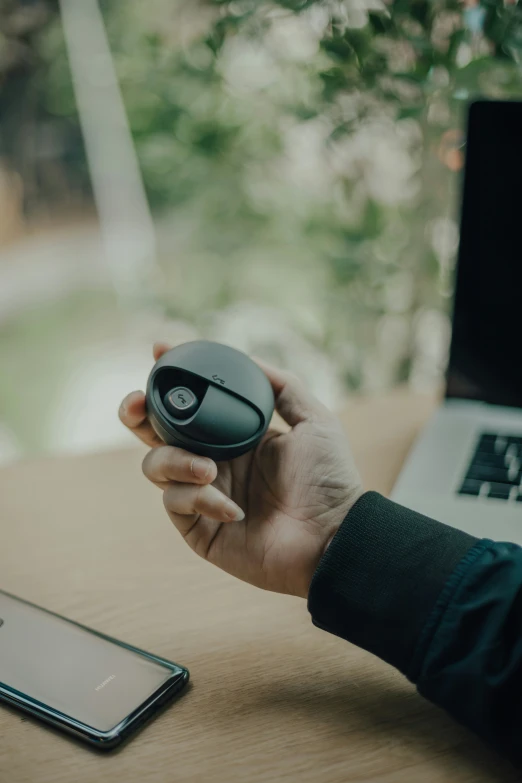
[209, 399]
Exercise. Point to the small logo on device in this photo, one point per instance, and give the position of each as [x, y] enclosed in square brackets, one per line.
[105, 682]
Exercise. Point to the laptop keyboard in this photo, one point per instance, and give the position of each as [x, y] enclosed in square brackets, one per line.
[495, 470]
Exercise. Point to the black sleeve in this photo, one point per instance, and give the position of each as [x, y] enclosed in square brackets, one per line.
[441, 606]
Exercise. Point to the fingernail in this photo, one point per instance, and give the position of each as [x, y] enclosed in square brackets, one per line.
[123, 410]
[233, 512]
[200, 467]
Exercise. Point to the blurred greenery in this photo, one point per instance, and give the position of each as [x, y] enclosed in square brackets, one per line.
[27, 406]
[303, 155]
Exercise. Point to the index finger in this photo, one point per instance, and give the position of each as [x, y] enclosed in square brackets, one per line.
[159, 348]
[133, 410]
[133, 414]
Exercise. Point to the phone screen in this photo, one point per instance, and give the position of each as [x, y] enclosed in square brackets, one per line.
[71, 669]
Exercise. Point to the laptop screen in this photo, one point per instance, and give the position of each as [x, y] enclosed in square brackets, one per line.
[486, 351]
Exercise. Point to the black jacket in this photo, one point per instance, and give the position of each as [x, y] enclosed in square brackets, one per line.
[441, 606]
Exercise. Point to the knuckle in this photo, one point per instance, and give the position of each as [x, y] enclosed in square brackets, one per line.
[166, 499]
[122, 412]
[293, 381]
[171, 498]
[188, 464]
[157, 461]
[167, 459]
[146, 464]
[198, 496]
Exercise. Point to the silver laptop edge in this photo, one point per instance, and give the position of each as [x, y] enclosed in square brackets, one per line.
[474, 432]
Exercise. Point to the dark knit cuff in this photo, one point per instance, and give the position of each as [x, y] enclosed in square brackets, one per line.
[381, 576]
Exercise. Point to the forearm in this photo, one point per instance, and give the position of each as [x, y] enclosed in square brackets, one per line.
[439, 605]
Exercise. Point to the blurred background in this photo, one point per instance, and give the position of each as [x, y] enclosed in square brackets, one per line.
[281, 176]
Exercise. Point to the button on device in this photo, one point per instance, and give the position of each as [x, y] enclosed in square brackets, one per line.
[181, 402]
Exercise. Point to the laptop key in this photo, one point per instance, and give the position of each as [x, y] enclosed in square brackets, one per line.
[516, 439]
[470, 487]
[511, 452]
[485, 458]
[486, 443]
[501, 444]
[499, 491]
[488, 473]
[514, 471]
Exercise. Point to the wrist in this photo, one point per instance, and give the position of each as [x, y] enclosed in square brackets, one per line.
[346, 511]
[330, 528]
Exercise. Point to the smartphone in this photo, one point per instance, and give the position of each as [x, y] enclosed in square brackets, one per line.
[78, 680]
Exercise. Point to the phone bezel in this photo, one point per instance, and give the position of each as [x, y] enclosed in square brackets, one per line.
[103, 740]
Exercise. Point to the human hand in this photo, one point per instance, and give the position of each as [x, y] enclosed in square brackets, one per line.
[267, 516]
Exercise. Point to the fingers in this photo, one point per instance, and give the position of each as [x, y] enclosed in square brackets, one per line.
[168, 463]
[159, 348]
[294, 403]
[133, 414]
[189, 492]
[190, 500]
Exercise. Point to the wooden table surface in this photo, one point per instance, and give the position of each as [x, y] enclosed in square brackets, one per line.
[272, 697]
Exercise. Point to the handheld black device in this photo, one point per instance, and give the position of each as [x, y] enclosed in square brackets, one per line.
[210, 399]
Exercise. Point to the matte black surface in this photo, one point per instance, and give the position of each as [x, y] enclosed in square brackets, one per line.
[234, 397]
[80, 681]
[486, 351]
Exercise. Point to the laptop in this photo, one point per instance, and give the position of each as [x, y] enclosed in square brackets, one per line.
[466, 467]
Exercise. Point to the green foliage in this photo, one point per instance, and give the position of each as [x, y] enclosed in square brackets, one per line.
[310, 131]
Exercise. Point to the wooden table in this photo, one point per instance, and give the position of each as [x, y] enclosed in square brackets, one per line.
[273, 698]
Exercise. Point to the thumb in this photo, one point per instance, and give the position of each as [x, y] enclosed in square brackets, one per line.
[294, 403]
[159, 349]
